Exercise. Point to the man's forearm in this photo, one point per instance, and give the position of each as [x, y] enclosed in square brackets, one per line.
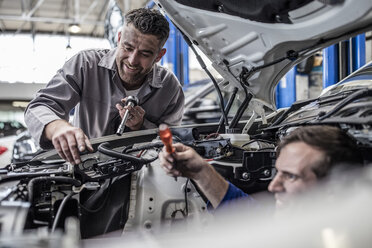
[52, 127]
[212, 184]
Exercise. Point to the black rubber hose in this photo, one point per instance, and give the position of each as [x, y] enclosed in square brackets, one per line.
[103, 202]
[204, 67]
[356, 95]
[60, 209]
[241, 110]
[105, 149]
[144, 147]
[125, 150]
[59, 179]
[244, 105]
[228, 107]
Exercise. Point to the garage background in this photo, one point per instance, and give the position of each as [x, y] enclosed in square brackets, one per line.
[38, 36]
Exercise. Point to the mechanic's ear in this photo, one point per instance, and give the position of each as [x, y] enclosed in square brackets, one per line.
[161, 54]
[119, 36]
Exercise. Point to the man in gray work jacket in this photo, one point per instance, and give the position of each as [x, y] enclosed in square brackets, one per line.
[95, 81]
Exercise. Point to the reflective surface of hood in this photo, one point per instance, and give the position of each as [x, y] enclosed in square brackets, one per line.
[257, 42]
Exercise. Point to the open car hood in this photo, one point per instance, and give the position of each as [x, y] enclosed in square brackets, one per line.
[257, 42]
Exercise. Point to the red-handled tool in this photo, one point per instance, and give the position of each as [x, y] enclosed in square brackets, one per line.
[166, 137]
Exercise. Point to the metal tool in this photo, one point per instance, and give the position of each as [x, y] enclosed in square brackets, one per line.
[132, 101]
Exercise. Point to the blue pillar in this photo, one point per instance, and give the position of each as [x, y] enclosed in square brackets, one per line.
[358, 51]
[150, 4]
[330, 66]
[183, 59]
[286, 90]
[170, 58]
[177, 55]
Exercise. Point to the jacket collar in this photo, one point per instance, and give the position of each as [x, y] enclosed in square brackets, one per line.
[108, 60]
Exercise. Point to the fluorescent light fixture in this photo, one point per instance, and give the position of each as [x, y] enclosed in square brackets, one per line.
[19, 104]
[74, 28]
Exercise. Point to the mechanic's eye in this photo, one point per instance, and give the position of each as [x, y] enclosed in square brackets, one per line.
[146, 55]
[290, 177]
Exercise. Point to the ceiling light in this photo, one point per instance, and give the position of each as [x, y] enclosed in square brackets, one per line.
[19, 104]
[74, 28]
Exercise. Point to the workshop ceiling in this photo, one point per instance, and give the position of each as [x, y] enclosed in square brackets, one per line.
[55, 16]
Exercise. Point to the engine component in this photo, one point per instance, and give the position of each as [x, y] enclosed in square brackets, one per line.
[94, 170]
[257, 165]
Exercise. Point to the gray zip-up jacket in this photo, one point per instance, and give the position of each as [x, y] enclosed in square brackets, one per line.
[90, 83]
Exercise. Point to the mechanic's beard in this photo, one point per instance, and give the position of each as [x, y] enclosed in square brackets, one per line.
[132, 80]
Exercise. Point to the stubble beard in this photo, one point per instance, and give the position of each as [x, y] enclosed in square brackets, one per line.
[134, 80]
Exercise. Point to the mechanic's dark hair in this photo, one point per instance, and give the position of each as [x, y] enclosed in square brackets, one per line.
[339, 149]
[149, 21]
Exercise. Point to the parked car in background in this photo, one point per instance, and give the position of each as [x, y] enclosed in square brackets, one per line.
[8, 135]
[25, 148]
[8, 128]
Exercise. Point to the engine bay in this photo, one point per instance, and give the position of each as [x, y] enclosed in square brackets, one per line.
[51, 190]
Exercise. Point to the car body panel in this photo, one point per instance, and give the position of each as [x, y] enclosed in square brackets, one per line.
[232, 42]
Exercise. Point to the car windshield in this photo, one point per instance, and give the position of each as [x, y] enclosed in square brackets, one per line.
[355, 85]
[358, 80]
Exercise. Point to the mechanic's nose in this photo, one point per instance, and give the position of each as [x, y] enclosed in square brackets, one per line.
[133, 58]
[276, 185]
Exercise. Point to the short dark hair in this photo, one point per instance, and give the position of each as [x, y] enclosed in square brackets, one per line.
[149, 21]
[337, 146]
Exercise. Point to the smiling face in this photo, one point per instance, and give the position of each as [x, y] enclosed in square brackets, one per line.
[294, 171]
[136, 55]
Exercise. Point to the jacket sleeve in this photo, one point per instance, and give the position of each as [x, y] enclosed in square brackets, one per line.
[56, 100]
[232, 198]
[173, 115]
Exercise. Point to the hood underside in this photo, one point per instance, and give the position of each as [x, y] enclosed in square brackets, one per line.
[256, 42]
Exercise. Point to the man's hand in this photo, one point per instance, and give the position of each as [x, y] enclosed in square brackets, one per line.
[136, 115]
[69, 141]
[183, 162]
[186, 162]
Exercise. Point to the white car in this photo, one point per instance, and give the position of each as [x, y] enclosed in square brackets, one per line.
[8, 135]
